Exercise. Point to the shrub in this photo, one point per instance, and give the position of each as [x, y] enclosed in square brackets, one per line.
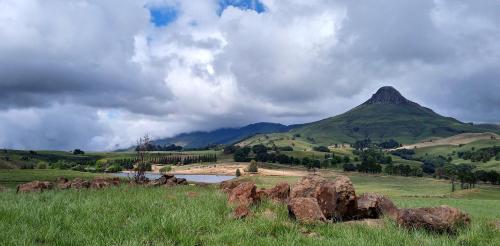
[41, 165]
[252, 167]
[238, 172]
[114, 168]
[80, 168]
[321, 149]
[166, 169]
[27, 165]
[349, 167]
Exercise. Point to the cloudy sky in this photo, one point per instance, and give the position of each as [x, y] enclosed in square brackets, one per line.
[96, 74]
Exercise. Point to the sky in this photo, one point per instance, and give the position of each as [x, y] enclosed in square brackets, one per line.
[98, 74]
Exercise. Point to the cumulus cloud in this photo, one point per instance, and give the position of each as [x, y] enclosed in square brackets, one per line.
[98, 74]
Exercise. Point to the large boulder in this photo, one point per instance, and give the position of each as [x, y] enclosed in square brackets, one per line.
[244, 194]
[436, 219]
[34, 186]
[345, 198]
[164, 178]
[228, 185]
[326, 196]
[279, 193]
[372, 205]
[79, 183]
[306, 187]
[305, 210]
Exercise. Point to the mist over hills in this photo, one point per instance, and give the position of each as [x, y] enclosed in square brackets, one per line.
[386, 115]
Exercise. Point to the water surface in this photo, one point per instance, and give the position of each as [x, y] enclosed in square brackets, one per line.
[204, 178]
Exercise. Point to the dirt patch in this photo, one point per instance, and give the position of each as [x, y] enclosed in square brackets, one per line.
[230, 169]
[463, 138]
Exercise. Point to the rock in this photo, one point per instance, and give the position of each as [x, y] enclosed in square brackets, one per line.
[242, 211]
[116, 181]
[34, 186]
[164, 178]
[372, 205]
[228, 185]
[99, 183]
[306, 187]
[171, 182]
[437, 219]
[280, 192]
[181, 181]
[63, 183]
[345, 195]
[326, 196]
[61, 180]
[79, 183]
[305, 210]
[244, 194]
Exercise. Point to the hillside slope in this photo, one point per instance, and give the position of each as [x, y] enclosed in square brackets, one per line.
[222, 136]
[386, 115]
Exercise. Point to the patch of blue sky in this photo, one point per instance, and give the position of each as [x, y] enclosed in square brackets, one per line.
[254, 5]
[162, 16]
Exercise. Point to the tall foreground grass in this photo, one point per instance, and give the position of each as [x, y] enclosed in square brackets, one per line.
[170, 216]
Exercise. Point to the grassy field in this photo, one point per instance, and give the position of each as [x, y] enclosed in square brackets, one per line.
[451, 150]
[169, 216]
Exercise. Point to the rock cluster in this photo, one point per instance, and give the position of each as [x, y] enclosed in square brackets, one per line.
[63, 183]
[35, 186]
[315, 199]
[166, 180]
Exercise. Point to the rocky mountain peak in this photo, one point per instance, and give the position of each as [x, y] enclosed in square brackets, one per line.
[387, 95]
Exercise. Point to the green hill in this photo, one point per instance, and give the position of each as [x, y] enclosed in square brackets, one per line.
[386, 115]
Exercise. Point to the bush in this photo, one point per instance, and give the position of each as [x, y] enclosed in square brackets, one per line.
[80, 168]
[166, 169]
[41, 165]
[252, 167]
[238, 172]
[321, 149]
[143, 167]
[27, 165]
[114, 168]
[349, 167]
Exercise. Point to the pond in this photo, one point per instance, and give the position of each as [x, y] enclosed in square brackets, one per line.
[202, 178]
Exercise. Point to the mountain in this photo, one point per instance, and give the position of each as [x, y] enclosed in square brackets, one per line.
[386, 115]
[223, 136]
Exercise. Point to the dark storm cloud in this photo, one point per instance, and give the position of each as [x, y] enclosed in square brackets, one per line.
[107, 75]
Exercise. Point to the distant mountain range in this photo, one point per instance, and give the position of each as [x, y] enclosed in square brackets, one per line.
[386, 115]
[224, 135]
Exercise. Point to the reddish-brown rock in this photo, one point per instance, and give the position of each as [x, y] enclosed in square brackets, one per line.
[228, 185]
[99, 183]
[63, 183]
[79, 183]
[326, 196]
[305, 210]
[345, 198]
[240, 212]
[34, 186]
[279, 193]
[372, 205]
[437, 219]
[306, 187]
[244, 194]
